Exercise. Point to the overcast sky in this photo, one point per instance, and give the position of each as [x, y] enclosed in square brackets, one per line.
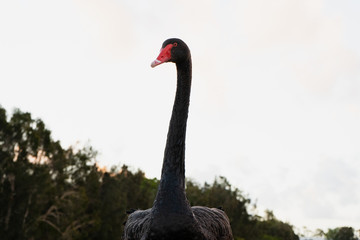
[275, 103]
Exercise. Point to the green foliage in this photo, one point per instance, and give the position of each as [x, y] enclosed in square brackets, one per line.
[343, 233]
[47, 192]
[267, 237]
[271, 228]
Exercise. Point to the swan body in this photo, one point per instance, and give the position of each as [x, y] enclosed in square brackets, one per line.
[172, 217]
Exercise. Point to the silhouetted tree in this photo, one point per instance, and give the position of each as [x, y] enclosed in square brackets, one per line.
[342, 233]
[48, 192]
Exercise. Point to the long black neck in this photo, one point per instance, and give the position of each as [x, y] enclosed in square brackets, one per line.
[171, 193]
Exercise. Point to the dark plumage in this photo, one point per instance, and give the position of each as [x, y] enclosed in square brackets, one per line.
[171, 217]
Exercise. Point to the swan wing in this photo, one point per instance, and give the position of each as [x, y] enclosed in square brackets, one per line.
[137, 225]
[214, 223]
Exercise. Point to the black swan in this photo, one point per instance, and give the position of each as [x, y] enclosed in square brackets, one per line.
[171, 217]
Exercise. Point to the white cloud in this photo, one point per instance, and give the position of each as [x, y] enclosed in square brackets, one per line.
[110, 24]
[311, 39]
[326, 197]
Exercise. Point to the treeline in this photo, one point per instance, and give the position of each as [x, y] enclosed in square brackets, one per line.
[340, 233]
[48, 192]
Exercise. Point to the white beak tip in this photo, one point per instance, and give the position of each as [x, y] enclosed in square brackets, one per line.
[155, 63]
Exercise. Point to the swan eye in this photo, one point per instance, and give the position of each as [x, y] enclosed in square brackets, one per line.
[175, 44]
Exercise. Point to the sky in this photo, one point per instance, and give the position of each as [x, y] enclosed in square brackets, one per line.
[275, 104]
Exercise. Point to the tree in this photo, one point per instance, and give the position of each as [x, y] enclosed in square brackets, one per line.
[49, 192]
[272, 228]
[343, 233]
[40, 182]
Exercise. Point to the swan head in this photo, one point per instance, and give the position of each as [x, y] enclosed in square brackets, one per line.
[172, 50]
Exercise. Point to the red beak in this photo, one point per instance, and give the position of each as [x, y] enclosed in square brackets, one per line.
[164, 56]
